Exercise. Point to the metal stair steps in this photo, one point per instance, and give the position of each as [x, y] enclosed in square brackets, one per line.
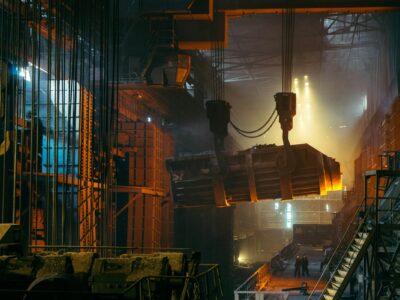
[359, 241]
[382, 219]
[353, 254]
[335, 285]
[349, 260]
[362, 235]
[346, 266]
[332, 292]
[338, 279]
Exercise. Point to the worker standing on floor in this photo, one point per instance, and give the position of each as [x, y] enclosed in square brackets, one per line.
[304, 266]
[297, 266]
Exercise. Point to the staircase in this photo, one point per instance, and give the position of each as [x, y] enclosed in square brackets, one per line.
[344, 261]
[348, 264]
[373, 239]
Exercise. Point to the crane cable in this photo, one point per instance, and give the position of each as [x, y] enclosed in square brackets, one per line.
[255, 130]
[218, 87]
[260, 134]
[288, 17]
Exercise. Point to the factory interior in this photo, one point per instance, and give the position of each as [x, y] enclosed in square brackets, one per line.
[200, 149]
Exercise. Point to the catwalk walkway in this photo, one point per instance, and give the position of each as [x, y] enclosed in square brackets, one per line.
[286, 279]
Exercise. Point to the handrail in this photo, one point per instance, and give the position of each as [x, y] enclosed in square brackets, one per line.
[193, 278]
[104, 247]
[327, 266]
[138, 281]
[255, 274]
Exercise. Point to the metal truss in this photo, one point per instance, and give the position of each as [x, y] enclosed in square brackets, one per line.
[381, 264]
[344, 41]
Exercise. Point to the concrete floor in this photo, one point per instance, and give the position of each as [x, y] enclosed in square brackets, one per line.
[286, 279]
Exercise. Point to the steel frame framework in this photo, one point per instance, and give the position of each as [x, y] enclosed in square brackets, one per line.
[380, 264]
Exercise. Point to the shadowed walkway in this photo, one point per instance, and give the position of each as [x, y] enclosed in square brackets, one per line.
[286, 278]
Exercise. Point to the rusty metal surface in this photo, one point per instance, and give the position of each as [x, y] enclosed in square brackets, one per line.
[252, 175]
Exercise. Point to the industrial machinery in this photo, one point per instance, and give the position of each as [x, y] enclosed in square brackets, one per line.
[252, 175]
[259, 173]
[86, 275]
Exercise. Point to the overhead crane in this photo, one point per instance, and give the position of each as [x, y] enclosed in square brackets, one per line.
[264, 172]
[210, 15]
[201, 23]
[259, 173]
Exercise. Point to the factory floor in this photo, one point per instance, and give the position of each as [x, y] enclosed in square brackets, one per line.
[286, 279]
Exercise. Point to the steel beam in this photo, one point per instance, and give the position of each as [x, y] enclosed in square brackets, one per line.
[241, 7]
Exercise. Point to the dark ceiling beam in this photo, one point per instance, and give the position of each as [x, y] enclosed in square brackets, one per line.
[241, 7]
[232, 69]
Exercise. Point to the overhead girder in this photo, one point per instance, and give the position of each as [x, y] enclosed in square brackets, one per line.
[203, 9]
[214, 27]
[241, 7]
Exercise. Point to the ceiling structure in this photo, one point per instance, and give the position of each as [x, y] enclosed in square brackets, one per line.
[336, 45]
[337, 52]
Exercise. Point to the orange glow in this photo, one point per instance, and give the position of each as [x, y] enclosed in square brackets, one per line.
[338, 186]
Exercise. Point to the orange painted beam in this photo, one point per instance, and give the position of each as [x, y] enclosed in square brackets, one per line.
[138, 190]
[204, 44]
[209, 16]
[241, 7]
[250, 7]
[304, 10]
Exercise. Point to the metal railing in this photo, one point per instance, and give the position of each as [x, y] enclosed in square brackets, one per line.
[258, 279]
[341, 250]
[261, 295]
[204, 285]
[105, 251]
[280, 260]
